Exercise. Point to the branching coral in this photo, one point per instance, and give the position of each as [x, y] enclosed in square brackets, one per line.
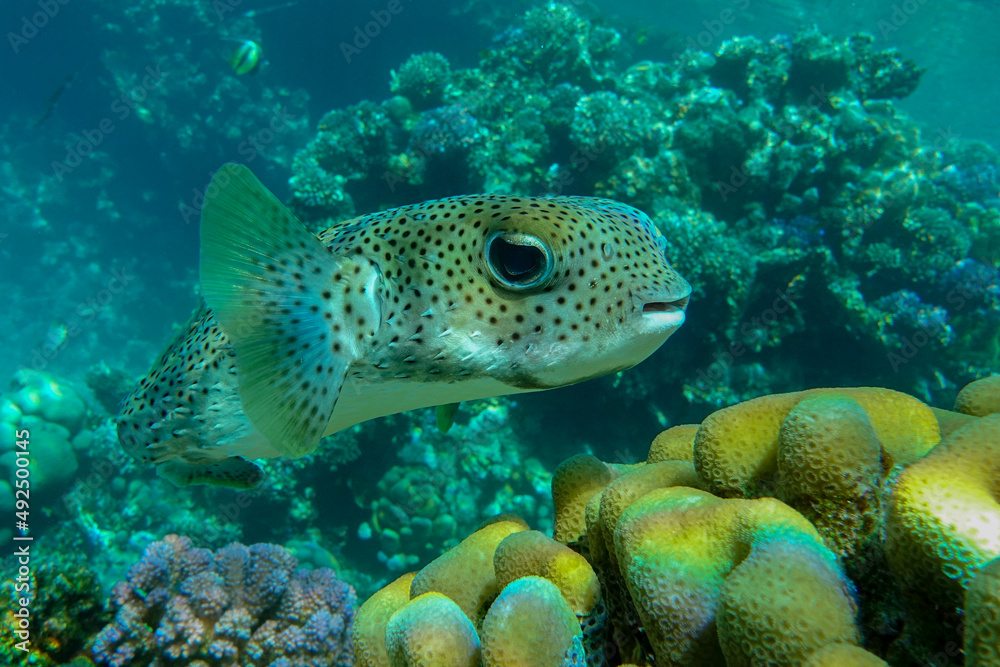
[240, 605]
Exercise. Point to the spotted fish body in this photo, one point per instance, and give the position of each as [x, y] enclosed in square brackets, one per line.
[431, 304]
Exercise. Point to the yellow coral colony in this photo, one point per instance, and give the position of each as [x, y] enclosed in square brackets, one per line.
[370, 622]
[678, 548]
[575, 481]
[982, 618]
[830, 468]
[943, 521]
[432, 631]
[737, 447]
[531, 553]
[980, 398]
[685, 560]
[465, 572]
[531, 625]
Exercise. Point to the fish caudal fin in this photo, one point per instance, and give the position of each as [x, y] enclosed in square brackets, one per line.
[296, 315]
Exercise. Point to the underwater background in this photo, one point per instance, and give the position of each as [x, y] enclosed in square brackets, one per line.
[827, 178]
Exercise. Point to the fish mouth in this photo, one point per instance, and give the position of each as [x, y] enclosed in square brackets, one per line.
[665, 313]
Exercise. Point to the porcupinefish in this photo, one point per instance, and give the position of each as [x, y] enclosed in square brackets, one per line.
[450, 300]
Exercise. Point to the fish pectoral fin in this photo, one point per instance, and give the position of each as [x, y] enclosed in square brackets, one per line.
[234, 473]
[297, 315]
[445, 415]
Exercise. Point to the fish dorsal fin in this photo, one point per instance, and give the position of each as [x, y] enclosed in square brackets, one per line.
[296, 315]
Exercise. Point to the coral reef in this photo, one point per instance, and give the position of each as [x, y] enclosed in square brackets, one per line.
[685, 560]
[67, 604]
[982, 617]
[738, 447]
[241, 605]
[511, 633]
[465, 572]
[448, 483]
[432, 630]
[943, 519]
[455, 606]
[806, 210]
[227, 114]
[980, 398]
[373, 616]
[54, 412]
[740, 582]
[815, 220]
[156, 114]
[422, 79]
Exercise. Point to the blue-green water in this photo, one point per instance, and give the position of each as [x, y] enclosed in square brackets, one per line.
[833, 200]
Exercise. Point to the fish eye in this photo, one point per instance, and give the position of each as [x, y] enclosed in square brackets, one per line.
[517, 261]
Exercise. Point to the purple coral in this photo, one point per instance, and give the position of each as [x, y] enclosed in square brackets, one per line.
[240, 606]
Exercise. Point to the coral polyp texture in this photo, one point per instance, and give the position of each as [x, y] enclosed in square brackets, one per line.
[734, 581]
[833, 528]
[504, 596]
[737, 448]
[432, 630]
[982, 617]
[980, 398]
[238, 606]
[530, 623]
[944, 513]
